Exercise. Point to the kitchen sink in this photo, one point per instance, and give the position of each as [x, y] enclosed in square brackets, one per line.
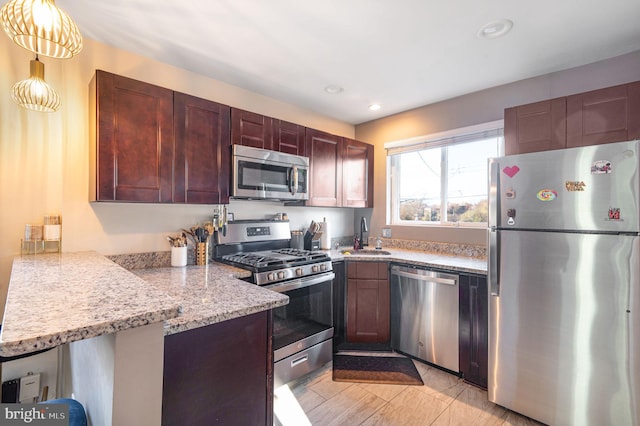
[366, 252]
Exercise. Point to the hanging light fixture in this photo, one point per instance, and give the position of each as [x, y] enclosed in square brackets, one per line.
[34, 93]
[42, 27]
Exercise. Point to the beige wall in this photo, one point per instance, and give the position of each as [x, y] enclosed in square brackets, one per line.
[476, 108]
[44, 157]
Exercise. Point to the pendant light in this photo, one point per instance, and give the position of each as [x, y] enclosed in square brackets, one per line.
[34, 93]
[42, 27]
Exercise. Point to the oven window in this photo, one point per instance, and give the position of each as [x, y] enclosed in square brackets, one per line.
[267, 177]
[310, 311]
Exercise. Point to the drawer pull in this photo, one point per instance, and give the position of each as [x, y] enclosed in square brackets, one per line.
[299, 360]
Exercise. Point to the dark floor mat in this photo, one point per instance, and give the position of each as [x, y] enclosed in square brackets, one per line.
[375, 369]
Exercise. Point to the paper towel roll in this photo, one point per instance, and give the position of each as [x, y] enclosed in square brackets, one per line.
[325, 238]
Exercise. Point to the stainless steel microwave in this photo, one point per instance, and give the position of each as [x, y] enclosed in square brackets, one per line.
[269, 175]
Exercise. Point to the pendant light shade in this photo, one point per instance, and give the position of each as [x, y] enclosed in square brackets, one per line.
[34, 93]
[42, 27]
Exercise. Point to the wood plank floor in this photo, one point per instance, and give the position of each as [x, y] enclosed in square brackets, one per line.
[443, 400]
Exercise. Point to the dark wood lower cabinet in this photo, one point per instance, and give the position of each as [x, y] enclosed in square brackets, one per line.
[220, 374]
[368, 303]
[473, 329]
[339, 305]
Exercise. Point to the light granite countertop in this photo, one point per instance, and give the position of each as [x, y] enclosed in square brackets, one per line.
[60, 298]
[418, 258]
[210, 294]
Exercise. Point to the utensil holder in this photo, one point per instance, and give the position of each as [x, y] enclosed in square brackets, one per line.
[202, 253]
[179, 256]
[297, 240]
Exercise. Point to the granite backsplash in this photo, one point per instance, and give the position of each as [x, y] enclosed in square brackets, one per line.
[162, 259]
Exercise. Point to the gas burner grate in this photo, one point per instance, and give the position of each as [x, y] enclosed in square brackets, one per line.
[252, 259]
[302, 254]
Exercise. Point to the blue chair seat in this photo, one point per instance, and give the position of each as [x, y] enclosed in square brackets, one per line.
[77, 416]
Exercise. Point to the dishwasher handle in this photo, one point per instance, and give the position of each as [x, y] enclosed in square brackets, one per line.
[424, 275]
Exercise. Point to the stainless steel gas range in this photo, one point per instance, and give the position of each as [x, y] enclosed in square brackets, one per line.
[303, 329]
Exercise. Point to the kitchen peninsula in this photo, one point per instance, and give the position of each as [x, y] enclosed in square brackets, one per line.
[115, 323]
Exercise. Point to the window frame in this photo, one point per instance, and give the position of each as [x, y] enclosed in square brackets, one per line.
[434, 140]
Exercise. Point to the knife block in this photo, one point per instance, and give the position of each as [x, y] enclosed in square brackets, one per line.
[311, 241]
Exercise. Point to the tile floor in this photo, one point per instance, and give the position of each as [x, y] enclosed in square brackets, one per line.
[443, 400]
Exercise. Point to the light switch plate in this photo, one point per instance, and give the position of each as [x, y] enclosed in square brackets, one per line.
[386, 232]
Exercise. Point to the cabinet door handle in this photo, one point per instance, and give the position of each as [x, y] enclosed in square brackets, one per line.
[300, 360]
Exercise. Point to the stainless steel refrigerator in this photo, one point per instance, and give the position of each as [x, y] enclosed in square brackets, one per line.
[564, 285]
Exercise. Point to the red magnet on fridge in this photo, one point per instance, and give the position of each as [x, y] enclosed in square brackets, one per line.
[614, 214]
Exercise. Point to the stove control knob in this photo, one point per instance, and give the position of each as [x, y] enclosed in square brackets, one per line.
[299, 272]
[280, 275]
[314, 268]
[323, 267]
[271, 276]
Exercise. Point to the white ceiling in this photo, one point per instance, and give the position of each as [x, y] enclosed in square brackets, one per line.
[399, 53]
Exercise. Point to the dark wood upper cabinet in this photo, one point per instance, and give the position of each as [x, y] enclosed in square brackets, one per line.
[604, 116]
[592, 118]
[368, 302]
[357, 174]
[134, 140]
[251, 129]
[288, 137]
[155, 145]
[539, 126]
[341, 171]
[259, 131]
[325, 180]
[203, 154]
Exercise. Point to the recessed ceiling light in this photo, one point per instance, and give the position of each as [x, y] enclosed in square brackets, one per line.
[495, 29]
[374, 107]
[333, 89]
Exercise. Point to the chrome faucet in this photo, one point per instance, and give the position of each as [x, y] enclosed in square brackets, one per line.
[363, 229]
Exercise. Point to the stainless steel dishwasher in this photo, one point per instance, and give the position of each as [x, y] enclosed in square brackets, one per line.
[424, 315]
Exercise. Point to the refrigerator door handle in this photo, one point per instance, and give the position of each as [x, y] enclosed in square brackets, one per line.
[494, 263]
[494, 191]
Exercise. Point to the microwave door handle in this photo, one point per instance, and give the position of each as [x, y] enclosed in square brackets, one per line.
[293, 180]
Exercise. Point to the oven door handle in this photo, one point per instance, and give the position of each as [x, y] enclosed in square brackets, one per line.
[301, 282]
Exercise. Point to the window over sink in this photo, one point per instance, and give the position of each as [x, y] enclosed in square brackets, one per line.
[441, 179]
